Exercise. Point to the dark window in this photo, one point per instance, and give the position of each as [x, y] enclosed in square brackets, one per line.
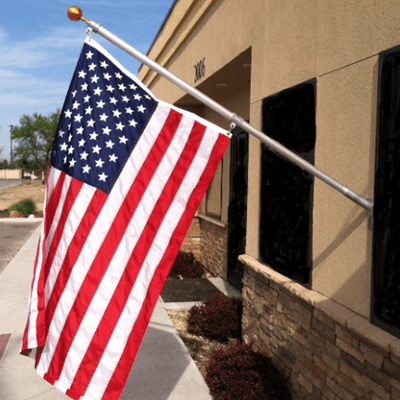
[287, 190]
[386, 243]
[237, 206]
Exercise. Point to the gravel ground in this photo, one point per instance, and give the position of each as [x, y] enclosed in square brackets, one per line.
[7, 183]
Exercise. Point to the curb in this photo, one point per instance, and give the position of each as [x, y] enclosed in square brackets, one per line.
[24, 220]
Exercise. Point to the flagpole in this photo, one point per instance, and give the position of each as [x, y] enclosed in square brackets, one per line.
[75, 14]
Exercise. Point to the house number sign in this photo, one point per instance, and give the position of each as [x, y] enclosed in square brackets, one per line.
[199, 70]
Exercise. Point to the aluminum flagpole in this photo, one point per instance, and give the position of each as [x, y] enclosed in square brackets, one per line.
[75, 14]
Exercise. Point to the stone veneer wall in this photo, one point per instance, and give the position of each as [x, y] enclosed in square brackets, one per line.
[327, 351]
[214, 245]
[191, 242]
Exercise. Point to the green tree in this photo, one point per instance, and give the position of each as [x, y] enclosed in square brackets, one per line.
[3, 159]
[34, 140]
[4, 163]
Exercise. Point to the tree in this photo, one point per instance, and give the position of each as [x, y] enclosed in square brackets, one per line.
[34, 140]
[3, 159]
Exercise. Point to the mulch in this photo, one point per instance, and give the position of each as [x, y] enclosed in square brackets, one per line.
[182, 290]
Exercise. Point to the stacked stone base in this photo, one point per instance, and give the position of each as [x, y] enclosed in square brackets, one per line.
[192, 239]
[327, 351]
[214, 246]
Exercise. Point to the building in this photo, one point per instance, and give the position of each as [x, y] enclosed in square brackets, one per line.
[319, 277]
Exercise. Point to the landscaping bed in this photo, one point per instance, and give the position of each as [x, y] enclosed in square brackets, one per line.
[211, 331]
[33, 190]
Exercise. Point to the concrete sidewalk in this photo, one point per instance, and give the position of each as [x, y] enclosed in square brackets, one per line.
[163, 368]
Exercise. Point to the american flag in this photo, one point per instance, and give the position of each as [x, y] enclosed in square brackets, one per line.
[127, 174]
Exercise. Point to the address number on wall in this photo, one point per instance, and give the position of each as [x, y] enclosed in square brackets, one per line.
[199, 70]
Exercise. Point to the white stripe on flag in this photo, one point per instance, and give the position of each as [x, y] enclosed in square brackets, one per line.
[74, 219]
[58, 213]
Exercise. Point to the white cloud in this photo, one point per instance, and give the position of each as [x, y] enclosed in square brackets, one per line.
[14, 99]
[41, 51]
[12, 79]
[33, 71]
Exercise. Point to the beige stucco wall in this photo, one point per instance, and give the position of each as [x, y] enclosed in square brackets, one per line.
[335, 41]
[216, 30]
[345, 149]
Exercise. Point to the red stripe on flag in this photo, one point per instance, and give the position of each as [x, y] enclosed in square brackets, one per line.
[121, 295]
[73, 192]
[72, 255]
[110, 245]
[122, 370]
[51, 205]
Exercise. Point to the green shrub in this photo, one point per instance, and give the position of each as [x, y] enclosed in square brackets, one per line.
[239, 372]
[26, 206]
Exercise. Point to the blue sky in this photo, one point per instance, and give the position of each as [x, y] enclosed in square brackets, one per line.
[40, 46]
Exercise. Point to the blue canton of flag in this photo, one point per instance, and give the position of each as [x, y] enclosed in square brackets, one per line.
[104, 114]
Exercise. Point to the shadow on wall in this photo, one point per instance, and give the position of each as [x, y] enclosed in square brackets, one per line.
[342, 272]
[344, 235]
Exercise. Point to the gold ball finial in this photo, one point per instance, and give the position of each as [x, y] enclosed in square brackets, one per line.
[74, 13]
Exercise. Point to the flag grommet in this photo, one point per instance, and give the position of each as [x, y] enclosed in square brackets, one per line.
[89, 30]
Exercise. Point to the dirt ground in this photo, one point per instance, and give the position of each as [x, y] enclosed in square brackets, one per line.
[199, 347]
[34, 190]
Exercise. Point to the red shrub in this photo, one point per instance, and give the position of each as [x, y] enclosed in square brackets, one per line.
[218, 318]
[186, 266]
[241, 373]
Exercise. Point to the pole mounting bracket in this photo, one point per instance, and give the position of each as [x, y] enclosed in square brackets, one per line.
[370, 212]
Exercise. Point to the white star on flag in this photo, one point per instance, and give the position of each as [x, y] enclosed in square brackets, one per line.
[86, 169]
[120, 126]
[96, 149]
[103, 177]
[113, 157]
[99, 163]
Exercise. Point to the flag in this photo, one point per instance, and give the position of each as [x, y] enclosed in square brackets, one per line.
[127, 173]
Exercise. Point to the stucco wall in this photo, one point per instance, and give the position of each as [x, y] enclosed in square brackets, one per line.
[338, 43]
[10, 173]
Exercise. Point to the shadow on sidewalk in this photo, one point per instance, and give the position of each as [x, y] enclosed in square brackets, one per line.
[163, 370]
